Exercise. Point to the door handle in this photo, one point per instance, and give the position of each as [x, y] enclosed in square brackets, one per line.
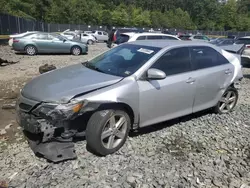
[190, 80]
[228, 71]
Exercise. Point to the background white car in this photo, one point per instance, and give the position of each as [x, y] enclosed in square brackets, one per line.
[101, 35]
[69, 34]
[129, 37]
[88, 38]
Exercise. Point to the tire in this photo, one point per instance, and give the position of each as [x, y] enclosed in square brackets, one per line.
[90, 42]
[227, 102]
[100, 133]
[30, 50]
[76, 50]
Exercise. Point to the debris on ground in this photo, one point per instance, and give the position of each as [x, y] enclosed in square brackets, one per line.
[46, 68]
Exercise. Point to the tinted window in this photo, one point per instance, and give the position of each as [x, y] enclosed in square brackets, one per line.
[121, 39]
[123, 60]
[155, 37]
[42, 36]
[169, 38]
[99, 33]
[206, 57]
[198, 37]
[141, 38]
[174, 61]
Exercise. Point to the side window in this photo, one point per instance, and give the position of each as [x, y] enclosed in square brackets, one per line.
[141, 38]
[99, 33]
[104, 33]
[169, 38]
[174, 61]
[206, 57]
[154, 37]
[42, 36]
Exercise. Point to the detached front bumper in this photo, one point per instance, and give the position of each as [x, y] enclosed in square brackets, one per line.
[40, 134]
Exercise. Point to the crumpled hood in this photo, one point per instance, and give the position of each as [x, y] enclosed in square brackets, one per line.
[61, 85]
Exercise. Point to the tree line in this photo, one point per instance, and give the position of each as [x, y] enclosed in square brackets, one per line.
[181, 14]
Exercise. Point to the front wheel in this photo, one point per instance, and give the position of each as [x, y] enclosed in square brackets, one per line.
[228, 101]
[107, 131]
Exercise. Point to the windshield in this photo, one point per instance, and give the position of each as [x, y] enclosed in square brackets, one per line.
[123, 60]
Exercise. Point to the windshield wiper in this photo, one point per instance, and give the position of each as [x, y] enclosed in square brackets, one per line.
[91, 66]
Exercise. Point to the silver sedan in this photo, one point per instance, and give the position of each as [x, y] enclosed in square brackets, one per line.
[128, 87]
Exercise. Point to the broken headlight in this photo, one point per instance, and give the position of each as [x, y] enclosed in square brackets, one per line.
[58, 111]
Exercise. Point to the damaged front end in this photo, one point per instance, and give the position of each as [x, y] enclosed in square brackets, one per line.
[48, 127]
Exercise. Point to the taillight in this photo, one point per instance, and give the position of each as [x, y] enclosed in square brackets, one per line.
[15, 40]
[247, 46]
[114, 38]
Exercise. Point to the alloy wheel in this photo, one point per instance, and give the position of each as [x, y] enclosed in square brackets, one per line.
[76, 51]
[31, 50]
[114, 131]
[228, 101]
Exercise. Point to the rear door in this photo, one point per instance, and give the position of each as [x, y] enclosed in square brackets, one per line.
[41, 41]
[213, 74]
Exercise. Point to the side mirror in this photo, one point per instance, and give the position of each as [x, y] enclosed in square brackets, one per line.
[155, 74]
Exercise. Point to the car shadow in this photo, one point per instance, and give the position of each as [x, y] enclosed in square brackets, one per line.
[246, 76]
[159, 126]
[168, 124]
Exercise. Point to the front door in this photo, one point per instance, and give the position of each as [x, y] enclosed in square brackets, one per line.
[161, 100]
[212, 75]
[58, 44]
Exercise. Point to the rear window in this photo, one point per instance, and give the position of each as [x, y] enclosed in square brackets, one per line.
[169, 38]
[154, 37]
[122, 39]
[242, 41]
[183, 37]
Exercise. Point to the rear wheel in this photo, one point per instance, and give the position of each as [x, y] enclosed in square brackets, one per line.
[30, 50]
[107, 131]
[228, 101]
[76, 50]
[90, 42]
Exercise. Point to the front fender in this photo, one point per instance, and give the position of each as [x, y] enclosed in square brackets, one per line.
[126, 92]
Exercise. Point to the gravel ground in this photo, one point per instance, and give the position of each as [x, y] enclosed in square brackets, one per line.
[201, 150]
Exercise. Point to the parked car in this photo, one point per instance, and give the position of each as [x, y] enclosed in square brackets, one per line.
[48, 43]
[85, 38]
[199, 38]
[19, 35]
[246, 52]
[119, 31]
[101, 35]
[69, 34]
[129, 37]
[131, 86]
[184, 37]
[223, 42]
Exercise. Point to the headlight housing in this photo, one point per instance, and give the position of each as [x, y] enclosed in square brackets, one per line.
[59, 111]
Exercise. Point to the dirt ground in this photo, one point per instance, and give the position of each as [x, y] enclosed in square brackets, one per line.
[13, 77]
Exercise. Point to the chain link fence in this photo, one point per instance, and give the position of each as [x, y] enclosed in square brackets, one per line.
[12, 24]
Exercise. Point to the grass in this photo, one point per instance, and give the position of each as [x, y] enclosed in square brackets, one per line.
[4, 36]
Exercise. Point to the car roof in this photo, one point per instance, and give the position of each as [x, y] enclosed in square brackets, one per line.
[168, 43]
[246, 37]
[146, 33]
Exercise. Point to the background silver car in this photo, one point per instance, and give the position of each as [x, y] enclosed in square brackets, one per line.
[48, 43]
[130, 86]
